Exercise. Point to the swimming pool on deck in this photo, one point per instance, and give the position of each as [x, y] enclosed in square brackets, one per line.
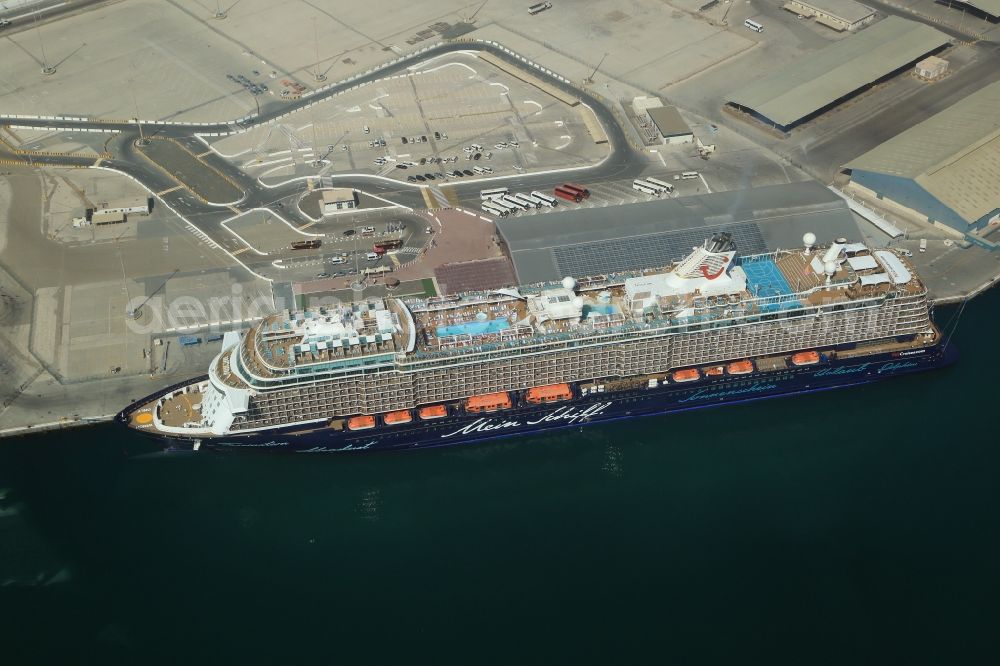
[473, 328]
[765, 280]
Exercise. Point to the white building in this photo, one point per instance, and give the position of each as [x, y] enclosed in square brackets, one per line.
[839, 15]
[670, 125]
[339, 198]
[931, 68]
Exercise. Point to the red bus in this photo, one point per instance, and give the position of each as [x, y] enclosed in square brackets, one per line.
[584, 192]
[569, 195]
[385, 246]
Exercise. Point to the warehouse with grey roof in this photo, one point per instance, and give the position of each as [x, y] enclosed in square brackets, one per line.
[986, 8]
[946, 169]
[839, 15]
[808, 87]
[599, 241]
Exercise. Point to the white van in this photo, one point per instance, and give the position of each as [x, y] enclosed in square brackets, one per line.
[371, 256]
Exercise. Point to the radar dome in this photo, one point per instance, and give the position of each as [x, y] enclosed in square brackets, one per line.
[830, 267]
[578, 302]
[809, 239]
[569, 283]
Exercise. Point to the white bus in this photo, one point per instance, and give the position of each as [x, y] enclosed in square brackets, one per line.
[753, 25]
[491, 208]
[486, 195]
[644, 187]
[539, 7]
[502, 202]
[665, 186]
[514, 202]
[544, 198]
[688, 175]
[527, 199]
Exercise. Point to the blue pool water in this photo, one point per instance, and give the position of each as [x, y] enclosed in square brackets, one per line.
[473, 328]
[764, 279]
[599, 309]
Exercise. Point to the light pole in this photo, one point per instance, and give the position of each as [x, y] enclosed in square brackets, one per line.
[318, 75]
[590, 78]
[47, 69]
[143, 141]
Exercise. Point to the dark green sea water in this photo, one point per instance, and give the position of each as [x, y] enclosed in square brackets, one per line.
[853, 527]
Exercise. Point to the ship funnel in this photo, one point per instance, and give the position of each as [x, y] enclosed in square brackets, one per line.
[720, 242]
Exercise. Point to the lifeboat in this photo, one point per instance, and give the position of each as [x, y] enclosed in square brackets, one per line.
[397, 417]
[744, 367]
[361, 423]
[714, 371]
[689, 375]
[538, 395]
[432, 412]
[805, 358]
[488, 402]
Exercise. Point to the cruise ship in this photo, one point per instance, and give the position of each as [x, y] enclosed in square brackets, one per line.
[405, 373]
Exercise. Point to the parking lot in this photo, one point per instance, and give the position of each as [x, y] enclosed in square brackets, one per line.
[455, 114]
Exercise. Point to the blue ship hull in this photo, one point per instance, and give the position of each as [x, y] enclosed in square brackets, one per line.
[527, 419]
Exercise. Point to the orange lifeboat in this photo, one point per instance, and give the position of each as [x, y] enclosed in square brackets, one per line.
[397, 417]
[744, 367]
[805, 358]
[552, 393]
[714, 371]
[361, 422]
[433, 412]
[689, 375]
[488, 402]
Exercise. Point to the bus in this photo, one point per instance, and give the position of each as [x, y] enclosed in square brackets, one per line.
[539, 7]
[514, 202]
[644, 187]
[491, 208]
[544, 198]
[663, 185]
[688, 175]
[568, 195]
[501, 202]
[486, 195]
[753, 25]
[584, 192]
[386, 246]
[527, 199]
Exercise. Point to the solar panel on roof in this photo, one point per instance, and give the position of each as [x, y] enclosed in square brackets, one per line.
[623, 254]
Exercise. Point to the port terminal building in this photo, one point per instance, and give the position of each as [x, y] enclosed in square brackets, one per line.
[805, 89]
[946, 170]
[602, 241]
[669, 124]
[839, 15]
